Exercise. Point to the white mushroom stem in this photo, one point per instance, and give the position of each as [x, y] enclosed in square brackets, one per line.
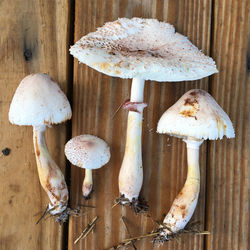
[137, 90]
[131, 172]
[185, 203]
[51, 177]
[87, 183]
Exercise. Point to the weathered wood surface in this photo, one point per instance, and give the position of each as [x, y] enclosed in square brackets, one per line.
[228, 172]
[217, 27]
[34, 38]
[95, 99]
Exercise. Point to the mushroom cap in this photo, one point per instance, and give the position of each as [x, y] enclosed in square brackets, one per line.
[38, 100]
[87, 151]
[196, 114]
[144, 48]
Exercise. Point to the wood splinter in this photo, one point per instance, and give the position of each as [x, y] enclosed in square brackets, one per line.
[87, 230]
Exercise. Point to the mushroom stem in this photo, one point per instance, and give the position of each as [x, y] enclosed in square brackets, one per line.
[137, 90]
[51, 177]
[131, 172]
[87, 183]
[184, 204]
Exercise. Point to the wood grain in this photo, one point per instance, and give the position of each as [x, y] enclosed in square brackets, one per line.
[95, 99]
[228, 175]
[34, 38]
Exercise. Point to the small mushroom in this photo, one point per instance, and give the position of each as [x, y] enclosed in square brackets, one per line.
[141, 49]
[39, 102]
[194, 117]
[89, 152]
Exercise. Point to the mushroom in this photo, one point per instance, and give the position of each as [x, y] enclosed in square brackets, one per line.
[89, 152]
[141, 49]
[39, 102]
[195, 117]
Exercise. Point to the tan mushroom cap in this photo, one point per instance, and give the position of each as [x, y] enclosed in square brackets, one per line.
[87, 151]
[144, 48]
[38, 100]
[196, 114]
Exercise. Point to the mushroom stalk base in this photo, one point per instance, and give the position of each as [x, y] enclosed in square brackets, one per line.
[185, 203]
[87, 184]
[131, 172]
[138, 205]
[51, 177]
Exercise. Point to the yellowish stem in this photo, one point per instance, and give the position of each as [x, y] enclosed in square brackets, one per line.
[51, 177]
[185, 203]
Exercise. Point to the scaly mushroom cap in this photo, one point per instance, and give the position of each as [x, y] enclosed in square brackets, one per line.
[87, 151]
[196, 114]
[144, 48]
[38, 100]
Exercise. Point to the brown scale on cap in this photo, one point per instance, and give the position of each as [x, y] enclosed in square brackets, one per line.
[190, 102]
[104, 66]
[127, 52]
[192, 107]
[90, 144]
[118, 64]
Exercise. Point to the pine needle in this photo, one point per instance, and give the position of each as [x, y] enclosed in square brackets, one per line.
[87, 230]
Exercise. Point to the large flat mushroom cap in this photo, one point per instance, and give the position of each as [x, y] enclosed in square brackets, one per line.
[87, 151]
[38, 100]
[196, 114]
[144, 48]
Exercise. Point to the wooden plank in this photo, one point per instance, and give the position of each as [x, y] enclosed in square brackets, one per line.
[95, 99]
[34, 38]
[228, 193]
